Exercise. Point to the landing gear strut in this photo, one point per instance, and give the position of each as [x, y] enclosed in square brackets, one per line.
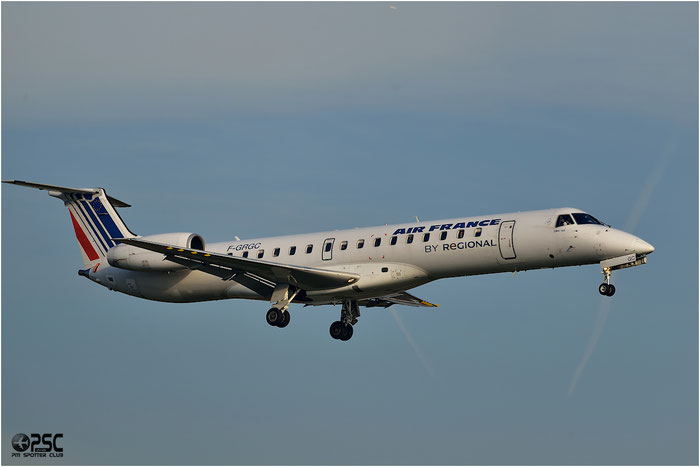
[606, 288]
[342, 330]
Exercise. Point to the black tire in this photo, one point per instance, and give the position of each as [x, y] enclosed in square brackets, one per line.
[611, 290]
[347, 333]
[273, 316]
[285, 320]
[336, 329]
[603, 288]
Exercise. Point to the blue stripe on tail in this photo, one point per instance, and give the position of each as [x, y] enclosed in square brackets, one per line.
[84, 218]
[106, 218]
[87, 208]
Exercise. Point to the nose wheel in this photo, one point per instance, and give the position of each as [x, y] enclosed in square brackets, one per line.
[606, 288]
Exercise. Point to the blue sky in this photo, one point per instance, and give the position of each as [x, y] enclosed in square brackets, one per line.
[265, 119]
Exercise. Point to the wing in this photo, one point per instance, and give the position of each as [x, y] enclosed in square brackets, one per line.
[227, 267]
[402, 298]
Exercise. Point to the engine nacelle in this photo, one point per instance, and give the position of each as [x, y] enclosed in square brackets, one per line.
[137, 259]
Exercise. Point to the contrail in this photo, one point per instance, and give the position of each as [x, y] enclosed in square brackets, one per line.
[645, 195]
[412, 343]
[632, 221]
[597, 331]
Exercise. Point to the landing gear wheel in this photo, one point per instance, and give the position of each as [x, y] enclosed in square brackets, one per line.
[273, 317]
[347, 332]
[606, 289]
[284, 321]
[336, 329]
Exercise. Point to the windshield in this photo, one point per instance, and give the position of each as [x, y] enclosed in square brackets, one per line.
[582, 218]
[563, 220]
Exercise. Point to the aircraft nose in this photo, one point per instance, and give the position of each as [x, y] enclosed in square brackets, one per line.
[643, 248]
[622, 243]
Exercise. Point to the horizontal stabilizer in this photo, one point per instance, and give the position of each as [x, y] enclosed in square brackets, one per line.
[64, 189]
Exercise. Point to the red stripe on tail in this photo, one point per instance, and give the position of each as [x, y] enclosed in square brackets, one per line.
[83, 240]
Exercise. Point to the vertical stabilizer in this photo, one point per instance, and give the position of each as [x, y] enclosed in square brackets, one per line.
[93, 216]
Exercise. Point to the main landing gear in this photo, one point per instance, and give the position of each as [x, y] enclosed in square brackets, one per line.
[606, 288]
[342, 330]
[282, 296]
[277, 317]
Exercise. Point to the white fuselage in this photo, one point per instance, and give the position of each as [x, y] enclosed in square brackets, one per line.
[404, 258]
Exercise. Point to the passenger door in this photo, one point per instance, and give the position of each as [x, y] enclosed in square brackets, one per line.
[505, 239]
[327, 250]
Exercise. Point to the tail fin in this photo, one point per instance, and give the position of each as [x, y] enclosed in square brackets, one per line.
[93, 215]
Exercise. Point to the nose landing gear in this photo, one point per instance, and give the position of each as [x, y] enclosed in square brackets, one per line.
[606, 288]
[613, 264]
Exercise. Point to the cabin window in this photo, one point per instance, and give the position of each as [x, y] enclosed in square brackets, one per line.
[409, 239]
[261, 253]
[377, 242]
[385, 269]
[564, 219]
[292, 250]
[245, 254]
[460, 233]
[328, 246]
[426, 237]
[582, 218]
[276, 252]
[360, 243]
[309, 249]
[393, 240]
[477, 232]
[443, 235]
[344, 245]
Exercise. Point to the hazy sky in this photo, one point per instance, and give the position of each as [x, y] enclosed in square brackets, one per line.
[256, 119]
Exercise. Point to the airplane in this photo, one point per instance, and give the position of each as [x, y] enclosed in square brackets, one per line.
[361, 267]
[20, 442]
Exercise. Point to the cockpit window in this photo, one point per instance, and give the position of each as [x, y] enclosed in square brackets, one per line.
[583, 218]
[564, 219]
